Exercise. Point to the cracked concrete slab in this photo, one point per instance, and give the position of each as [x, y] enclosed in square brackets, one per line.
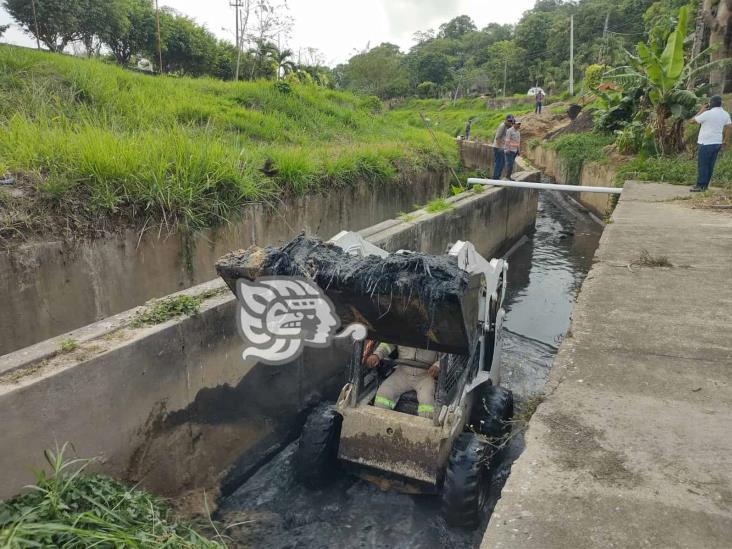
[633, 445]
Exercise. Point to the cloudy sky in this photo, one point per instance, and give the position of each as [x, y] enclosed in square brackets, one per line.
[338, 27]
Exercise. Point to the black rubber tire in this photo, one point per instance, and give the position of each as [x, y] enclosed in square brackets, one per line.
[316, 458]
[467, 481]
[492, 411]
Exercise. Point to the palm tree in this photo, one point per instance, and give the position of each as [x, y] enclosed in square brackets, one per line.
[284, 64]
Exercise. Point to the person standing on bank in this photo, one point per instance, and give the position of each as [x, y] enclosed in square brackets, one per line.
[714, 135]
[512, 147]
[468, 125]
[539, 100]
[499, 158]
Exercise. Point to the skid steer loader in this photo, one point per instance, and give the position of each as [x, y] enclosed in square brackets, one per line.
[452, 453]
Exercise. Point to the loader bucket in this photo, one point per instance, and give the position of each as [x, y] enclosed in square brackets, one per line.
[411, 299]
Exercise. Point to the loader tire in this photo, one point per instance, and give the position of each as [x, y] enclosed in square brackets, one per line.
[492, 412]
[317, 452]
[467, 481]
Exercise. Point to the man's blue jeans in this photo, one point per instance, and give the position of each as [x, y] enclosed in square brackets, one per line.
[707, 157]
[510, 159]
[499, 160]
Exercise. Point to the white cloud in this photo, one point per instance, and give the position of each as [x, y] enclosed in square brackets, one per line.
[338, 27]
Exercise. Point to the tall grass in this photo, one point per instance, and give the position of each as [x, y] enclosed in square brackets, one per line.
[449, 117]
[92, 138]
[72, 509]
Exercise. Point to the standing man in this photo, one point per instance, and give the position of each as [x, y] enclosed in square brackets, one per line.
[499, 158]
[468, 125]
[714, 135]
[539, 99]
[512, 147]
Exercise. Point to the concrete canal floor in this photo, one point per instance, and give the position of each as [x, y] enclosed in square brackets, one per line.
[633, 444]
[272, 511]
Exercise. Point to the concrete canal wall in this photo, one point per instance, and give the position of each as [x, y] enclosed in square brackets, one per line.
[50, 287]
[632, 445]
[173, 406]
[591, 175]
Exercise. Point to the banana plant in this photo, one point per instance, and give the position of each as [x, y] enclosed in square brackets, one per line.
[663, 76]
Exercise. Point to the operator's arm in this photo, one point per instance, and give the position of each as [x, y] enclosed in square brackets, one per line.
[382, 351]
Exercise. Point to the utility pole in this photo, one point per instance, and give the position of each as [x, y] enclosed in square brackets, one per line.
[605, 47]
[236, 5]
[35, 22]
[571, 55]
[160, 49]
[505, 74]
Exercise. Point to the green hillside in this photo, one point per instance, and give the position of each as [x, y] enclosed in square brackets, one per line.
[97, 146]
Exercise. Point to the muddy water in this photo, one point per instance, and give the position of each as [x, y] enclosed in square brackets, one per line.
[272, 510]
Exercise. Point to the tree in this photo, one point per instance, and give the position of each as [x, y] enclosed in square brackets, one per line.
[717, 16]
[381, 71]
[3, 28]
[457, 27]
[55, 23]
[98, 18]
[133, 34]
[285, 65]
[188, 48]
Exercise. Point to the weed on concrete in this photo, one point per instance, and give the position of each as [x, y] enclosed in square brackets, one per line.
[648, 260]
[163, 310]
[69, 345]
[438, 205]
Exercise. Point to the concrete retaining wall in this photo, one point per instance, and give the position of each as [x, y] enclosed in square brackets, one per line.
[173, 406]
[591, 175]
[48, 288]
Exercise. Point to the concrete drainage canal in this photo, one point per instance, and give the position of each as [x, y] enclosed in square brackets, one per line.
[546, 271]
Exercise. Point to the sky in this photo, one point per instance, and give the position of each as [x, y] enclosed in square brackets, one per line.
[338, 28]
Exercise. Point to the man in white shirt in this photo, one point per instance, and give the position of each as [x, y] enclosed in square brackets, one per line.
[714, 134]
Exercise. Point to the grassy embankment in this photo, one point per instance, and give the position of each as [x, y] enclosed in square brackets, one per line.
[447, 117]
[93, 146]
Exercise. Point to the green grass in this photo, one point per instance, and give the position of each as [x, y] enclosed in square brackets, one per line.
[438, 205]
[70, 508]
[170, 307]
[89, 141]
[577, 148]
[680, 170]
[447, 117]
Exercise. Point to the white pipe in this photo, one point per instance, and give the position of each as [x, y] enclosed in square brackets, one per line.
[546, 186]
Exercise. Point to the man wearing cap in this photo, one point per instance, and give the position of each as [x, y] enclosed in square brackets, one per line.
[499, 158]
[714, 135]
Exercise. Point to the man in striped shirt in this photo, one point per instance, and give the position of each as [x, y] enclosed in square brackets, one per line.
[512, 146]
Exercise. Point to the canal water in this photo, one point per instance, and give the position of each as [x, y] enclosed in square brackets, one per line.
[545, 273]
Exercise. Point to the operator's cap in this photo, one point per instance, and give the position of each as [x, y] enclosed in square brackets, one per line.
[510, 118]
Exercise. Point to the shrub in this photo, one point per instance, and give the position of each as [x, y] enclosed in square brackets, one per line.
[427, 90]
[593, 76]
[69, 508]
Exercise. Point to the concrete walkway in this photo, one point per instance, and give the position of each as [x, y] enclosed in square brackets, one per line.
[633, 444]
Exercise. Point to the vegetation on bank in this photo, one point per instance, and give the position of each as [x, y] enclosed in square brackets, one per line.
[642, 110]
[71, 508]
[449, 117]
[90, 142]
